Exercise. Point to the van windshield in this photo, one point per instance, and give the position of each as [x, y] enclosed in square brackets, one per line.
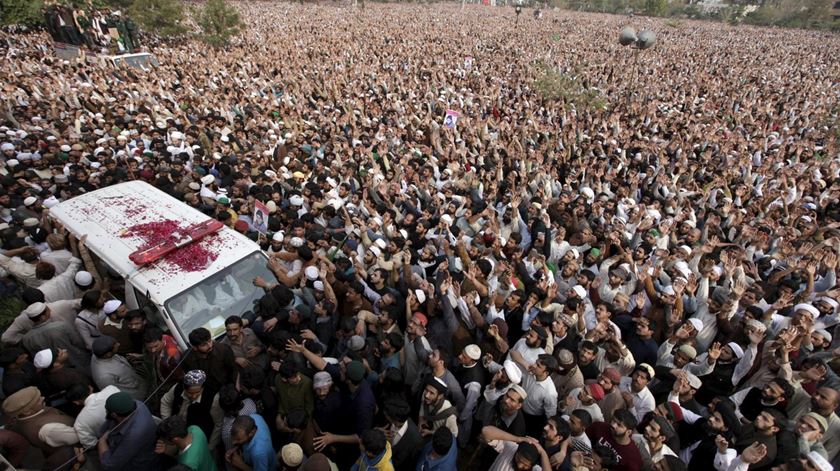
[227, 293]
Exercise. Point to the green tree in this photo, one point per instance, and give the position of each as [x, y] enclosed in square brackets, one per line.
[21, 12]
[656, 7]
[162, 17]
[218, 22]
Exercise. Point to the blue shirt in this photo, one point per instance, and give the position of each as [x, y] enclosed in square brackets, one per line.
[259, 453]
[443, 463]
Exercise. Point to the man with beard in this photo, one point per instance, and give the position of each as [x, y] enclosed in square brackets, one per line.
[657, 440]
[436, 411]
[762, 430]
[504, 379]
[637, 397]
[639, 340]
[416, 350]
[515, 453]
[773, 395]
[617, 435]
[542, 396]
[472, 377]
[561, 337]
[513, 312]
[587, 354]
[568, 375]
[719, 381]
[824, 402]
[215, 359]
[699, 438]
[507, 414]
[530, 347]
[610, 380]
[403, 433]
[437, 368]
[554, 435]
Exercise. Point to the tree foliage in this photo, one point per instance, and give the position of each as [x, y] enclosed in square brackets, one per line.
[219, 22]
[552, 85]
[162, 17]
[21, 12]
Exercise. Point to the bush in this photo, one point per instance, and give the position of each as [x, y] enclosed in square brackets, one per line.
[552, 85]
[161, 17]
[22, 12]
[218, 22]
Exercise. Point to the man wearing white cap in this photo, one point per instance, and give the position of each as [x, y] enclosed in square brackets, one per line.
[472, 376]
[114, 325]
[54, 335]
[504, 376]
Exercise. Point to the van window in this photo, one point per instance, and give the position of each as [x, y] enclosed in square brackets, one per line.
[153, 316]
[227, 293]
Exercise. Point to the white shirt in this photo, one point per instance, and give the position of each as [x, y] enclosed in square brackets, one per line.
[506, 451]
[542, 395]
[63, 285]
[529, 354]
[593, 409]
[643, 401]
[92, 416]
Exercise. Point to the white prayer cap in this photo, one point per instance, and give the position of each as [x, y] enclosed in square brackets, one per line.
[43, 359]
[35, 310]
[83, 278]
[808, 308]
[512, 371]
[473, 351]
[296, 200]
[697, 323]
[111, 306]
[736, 349]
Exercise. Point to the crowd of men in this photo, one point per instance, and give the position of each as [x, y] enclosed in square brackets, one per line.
[541, 284]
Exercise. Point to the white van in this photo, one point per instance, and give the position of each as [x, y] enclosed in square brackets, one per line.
[199, 283]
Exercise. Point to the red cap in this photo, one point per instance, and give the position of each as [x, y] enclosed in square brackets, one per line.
[596, 391]
[422, 318]
[241, 226]
[613, 375]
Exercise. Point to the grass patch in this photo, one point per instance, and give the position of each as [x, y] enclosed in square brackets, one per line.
[10, 307]
[552, 85]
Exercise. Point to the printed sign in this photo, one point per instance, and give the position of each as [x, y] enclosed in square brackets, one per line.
[451, 119]
[260, 217]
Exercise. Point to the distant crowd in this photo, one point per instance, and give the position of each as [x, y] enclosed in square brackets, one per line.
[468, 275]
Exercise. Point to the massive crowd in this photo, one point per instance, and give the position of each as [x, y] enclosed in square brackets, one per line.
[546, 284]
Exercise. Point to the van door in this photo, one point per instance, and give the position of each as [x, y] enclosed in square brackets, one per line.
[143, 303]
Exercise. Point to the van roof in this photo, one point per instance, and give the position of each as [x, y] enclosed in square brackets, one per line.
[110, 218]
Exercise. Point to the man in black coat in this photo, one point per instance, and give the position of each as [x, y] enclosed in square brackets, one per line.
[403, 433]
